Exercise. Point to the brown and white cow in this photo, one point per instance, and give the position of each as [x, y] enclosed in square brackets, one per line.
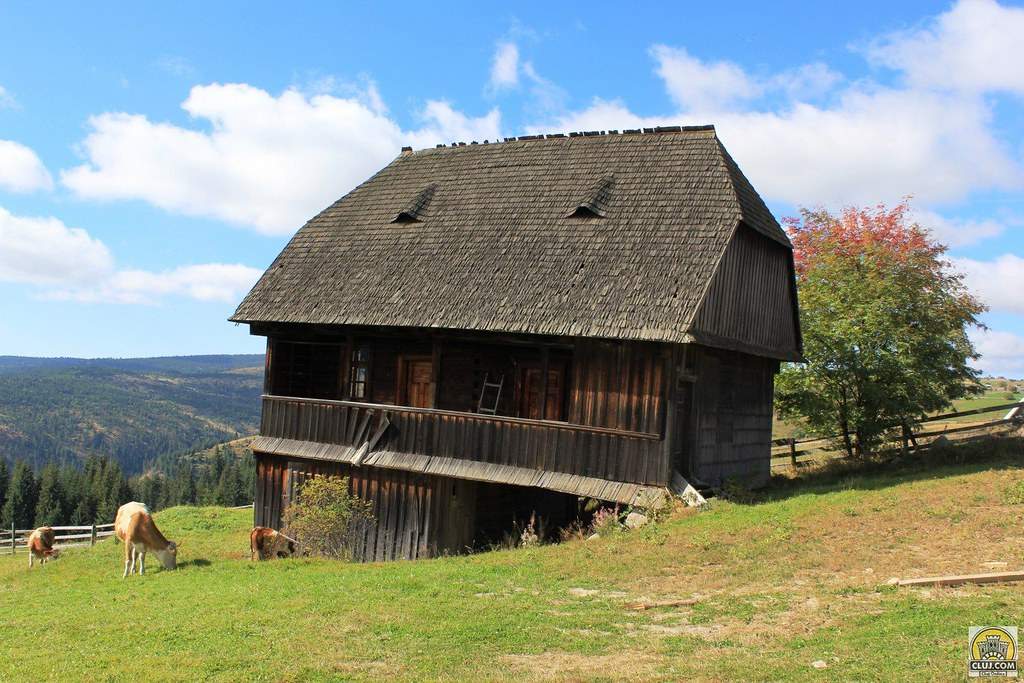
[135, 527]
[266, 543]
[40, 546]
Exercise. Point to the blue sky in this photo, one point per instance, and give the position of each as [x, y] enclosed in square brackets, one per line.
[152, 163]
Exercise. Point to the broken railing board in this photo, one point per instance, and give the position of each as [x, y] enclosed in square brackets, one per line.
[641, 606]
[994, 577]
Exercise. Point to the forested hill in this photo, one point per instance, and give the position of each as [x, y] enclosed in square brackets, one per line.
[134, 410]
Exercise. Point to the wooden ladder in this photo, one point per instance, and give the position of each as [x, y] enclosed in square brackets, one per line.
[493, 410]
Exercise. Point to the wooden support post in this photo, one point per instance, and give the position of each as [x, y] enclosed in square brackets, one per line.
[346, 364]
[92, 540]
[12, 537]
[435, 373]
[545, 364]
[906, 439]
[792, 452]
[268, 386]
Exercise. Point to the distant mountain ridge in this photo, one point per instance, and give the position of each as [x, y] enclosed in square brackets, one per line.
[134, 409]
[179, 364]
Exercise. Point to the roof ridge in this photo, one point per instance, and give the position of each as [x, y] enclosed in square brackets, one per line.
[656, 130]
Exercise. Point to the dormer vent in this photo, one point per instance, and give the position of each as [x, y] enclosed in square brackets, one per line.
[595, 202]
[415, 210]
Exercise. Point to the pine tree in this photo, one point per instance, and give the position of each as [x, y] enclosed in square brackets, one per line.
[150, 490]
[111, 491]
[184, 485]
[51, 503]
[229, 488]
[20, 506]
[5, 480]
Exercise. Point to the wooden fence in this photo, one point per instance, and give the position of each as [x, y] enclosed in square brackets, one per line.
[13, 540]
[793, 452]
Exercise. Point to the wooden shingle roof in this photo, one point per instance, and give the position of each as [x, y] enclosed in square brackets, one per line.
[492, 239]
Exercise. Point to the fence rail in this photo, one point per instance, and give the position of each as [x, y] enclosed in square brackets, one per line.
[786, 452]
[13, 539]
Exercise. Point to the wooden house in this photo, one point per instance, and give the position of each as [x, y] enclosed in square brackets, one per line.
[480, 331]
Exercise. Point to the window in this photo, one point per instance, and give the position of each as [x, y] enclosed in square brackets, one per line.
[359, 377]
[306, 370]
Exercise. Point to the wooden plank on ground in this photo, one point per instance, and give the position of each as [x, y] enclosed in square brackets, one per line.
[954, 580]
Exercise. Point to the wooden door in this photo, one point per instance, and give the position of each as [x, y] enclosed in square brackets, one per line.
[531, 392]
[417, 382]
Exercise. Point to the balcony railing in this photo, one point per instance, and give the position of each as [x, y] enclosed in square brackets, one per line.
[635, 457]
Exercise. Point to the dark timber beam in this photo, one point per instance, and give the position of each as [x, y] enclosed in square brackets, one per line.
[435, 371]
[545, 364]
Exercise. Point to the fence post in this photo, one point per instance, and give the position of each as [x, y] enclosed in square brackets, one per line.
[792, 452]
[92, 541]
[906, 439]
[12, 537]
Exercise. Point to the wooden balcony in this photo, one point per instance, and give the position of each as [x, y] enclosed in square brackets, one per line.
[544, 445]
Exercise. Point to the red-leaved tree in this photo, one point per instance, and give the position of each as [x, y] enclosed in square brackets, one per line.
[884, 318]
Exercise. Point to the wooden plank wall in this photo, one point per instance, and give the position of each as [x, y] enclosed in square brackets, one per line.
[464, 366]
[415, 516]
[618, 385]
[731, 417]
[750, 299]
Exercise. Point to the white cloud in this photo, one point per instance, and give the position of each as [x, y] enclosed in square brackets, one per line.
[695, 85]
[222, 282]
[975, 46]
[1002, 353]
[44, 251]
[177, 66]
[267, 162]
[871, 146]
[710, 87]
[67, 263]
[806, 81]
[546, 95]
[863, 144]
[21, 170]
[957, 232]
[7, 100]
[997, 282]
[505, 67]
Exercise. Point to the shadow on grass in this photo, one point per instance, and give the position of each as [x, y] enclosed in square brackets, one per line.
[198, 562]
[954, 459]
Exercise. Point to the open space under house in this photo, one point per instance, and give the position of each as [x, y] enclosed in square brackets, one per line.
[483, 331]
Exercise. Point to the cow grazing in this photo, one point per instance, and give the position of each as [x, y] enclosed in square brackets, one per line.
[266, 543]
[40, 546]
[135, 527]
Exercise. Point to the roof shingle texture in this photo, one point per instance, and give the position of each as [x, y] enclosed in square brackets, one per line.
[496, 248]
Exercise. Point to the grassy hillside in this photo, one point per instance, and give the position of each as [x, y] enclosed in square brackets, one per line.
[798, 576]
[997, 392]
[133, 410]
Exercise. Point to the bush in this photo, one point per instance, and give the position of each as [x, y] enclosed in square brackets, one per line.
[1014, 494]
[326, 519]
[607, 521]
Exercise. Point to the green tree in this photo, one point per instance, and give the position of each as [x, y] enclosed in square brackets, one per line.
[5, 480]
[20, 506]
[229, 488]
[184, 485]
[884, 320]
[52, 501]
[110, 489]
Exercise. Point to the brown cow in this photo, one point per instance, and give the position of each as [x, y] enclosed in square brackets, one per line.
[40, 545]
[266, 543]
[134, 525]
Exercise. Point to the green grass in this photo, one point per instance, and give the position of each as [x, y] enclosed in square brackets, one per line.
[796, 577]
[784, 429]
[986, 400]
